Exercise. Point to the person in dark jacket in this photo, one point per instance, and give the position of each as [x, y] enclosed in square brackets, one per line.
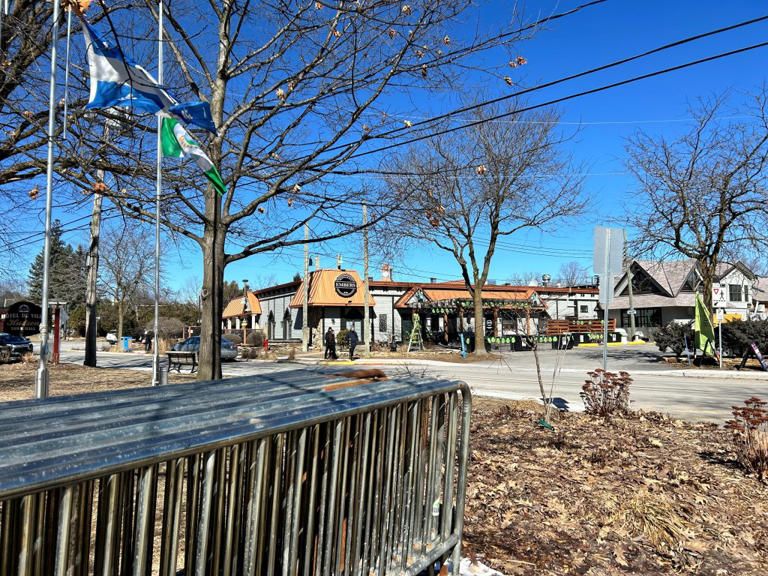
[330, 344]
[352, 339]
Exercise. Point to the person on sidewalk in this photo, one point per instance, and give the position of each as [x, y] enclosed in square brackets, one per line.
[352, 339]
[330, 345]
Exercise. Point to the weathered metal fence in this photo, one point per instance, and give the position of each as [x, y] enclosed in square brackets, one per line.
[296, 473]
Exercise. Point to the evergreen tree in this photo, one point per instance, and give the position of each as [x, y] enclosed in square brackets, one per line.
[67, 272]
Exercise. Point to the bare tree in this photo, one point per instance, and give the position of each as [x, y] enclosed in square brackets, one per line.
[497, 178]
[572, 273]
[293, 88]
[126, 267]
[525, 278]
[703, 195]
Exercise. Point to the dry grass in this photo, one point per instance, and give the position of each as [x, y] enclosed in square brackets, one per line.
[17, 381]
[652, 517]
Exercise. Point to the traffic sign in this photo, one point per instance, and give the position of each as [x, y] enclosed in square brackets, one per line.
[719, 299]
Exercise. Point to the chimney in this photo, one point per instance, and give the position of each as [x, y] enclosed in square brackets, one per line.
[386, 273]
[545, 280]
[338, 261]
[433, 280]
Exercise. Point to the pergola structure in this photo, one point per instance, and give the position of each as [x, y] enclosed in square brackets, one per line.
[453, 299]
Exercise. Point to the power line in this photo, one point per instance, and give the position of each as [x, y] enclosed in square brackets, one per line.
[590, 71]
[559, 100]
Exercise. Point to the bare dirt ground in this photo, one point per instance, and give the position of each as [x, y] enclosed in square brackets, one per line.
[638, 495]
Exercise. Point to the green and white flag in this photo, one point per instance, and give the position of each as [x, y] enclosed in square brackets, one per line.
[177, 142]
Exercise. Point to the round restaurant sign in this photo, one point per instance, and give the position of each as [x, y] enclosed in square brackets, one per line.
[345, 285]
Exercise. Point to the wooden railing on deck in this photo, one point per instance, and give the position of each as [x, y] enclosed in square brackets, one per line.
[557, 327]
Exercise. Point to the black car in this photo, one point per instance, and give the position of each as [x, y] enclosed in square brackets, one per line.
[18, 344]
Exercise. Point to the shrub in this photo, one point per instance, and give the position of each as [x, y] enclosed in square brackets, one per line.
[341, 339]
[606, 393]
[737, 336]
[250, 352]
[234, 337]
[750, 423]
[674, 336]
[255, 338]
[167, 327]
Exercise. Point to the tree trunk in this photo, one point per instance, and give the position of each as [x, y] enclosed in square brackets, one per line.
[120, 313]
[91, 325]
[479, 322]
[534, 344]
[707, 280]
[212, 301]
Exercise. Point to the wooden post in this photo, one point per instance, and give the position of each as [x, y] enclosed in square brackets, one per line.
[91, 295]
[495, 322]
[527, 321]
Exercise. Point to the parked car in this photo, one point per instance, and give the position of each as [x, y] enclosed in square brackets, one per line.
[112, 337]
[192, 344]
[18, 344]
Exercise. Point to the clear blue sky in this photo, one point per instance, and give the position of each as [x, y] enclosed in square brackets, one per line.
[594, 36]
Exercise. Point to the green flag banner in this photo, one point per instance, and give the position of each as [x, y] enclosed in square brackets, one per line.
[177, 142]
[704, 337]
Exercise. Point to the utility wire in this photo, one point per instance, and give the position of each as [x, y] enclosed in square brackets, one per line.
[559, 100]
[601, 68]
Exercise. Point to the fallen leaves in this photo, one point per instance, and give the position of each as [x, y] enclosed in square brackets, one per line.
[643, 495]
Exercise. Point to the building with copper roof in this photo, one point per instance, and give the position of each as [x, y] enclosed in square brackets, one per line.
[336, 300]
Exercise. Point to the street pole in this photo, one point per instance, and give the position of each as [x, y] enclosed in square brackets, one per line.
[41, 380]
[629, 287]
[366, 307]
[607, 277]
[158, 189]
[91, 331]
[720, 334]
[305, 302]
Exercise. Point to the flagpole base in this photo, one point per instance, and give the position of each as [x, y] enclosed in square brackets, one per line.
[41, 378]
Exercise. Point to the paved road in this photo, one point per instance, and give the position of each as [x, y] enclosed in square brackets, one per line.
[693, 395]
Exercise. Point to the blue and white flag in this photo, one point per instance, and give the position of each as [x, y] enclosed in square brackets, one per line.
[118, 81]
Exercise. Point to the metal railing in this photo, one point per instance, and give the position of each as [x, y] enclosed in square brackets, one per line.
[295, 473]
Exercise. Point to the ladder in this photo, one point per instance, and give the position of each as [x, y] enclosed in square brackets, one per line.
[415, 341]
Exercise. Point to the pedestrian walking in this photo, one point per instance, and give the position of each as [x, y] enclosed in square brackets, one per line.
[147, 341]
[330, 345]
[352, 339]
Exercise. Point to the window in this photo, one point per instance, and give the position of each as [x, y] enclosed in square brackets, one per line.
[287, 324]
[645, 318]
[583, 309]
[734, 292]
[383, 323]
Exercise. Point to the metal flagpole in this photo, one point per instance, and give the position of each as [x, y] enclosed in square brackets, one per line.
[305, 304]
[66, 72]
[158, 189]
[367, 312]
[41, 381]
[3, 14]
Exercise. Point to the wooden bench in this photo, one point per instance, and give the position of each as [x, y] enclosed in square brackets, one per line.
[179, 358]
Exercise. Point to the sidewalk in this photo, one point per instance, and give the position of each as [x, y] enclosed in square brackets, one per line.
[490, 364]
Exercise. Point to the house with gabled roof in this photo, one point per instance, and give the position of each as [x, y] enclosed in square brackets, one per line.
[665, 291]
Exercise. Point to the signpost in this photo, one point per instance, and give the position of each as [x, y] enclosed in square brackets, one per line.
[607, 263]
[719, 302]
